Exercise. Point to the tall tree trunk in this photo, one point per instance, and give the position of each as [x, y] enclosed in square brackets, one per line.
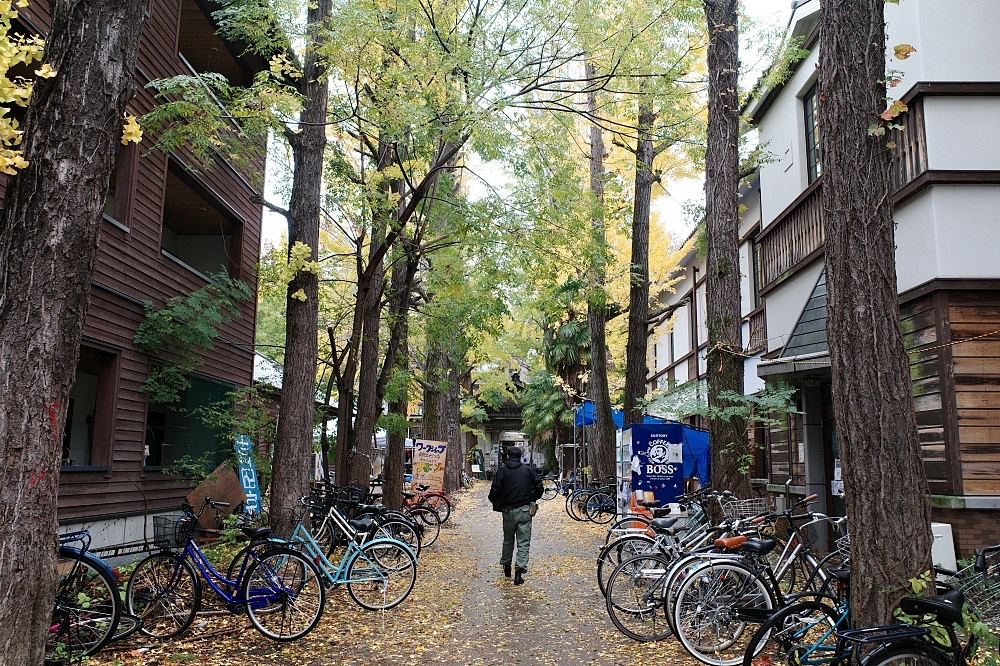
[872, 395]
[730, 448]
[597, 303]
[397, 360]
[293, 443]
[636, 369]
[443, 409]
[49, 231]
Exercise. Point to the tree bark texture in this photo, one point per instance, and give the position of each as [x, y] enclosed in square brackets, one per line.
[397, 359]
[872, 395]
[730, 467]
[636, 368]
[50, 226]
[597, 304]
[443, 409]
[293, 444]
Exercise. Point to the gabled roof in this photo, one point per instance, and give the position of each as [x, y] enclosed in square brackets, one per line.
[809, 334]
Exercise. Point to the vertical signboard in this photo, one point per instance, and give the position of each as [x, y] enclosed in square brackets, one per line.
[428, 463]
[247, 473]
[657, 461]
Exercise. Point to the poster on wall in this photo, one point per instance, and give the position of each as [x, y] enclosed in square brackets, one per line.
[247, 473]
[428, 463]
[657, 462]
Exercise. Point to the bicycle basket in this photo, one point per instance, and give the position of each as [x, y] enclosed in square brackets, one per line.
[844, 548]
[808, 534]
[173, 531]
[745, 508]
[981, 590]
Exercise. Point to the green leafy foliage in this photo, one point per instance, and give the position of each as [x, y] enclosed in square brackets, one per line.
[182, 329]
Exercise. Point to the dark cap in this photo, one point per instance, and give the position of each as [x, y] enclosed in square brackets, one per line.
[514, 452]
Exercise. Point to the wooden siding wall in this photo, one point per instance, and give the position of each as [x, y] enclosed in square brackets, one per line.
[131, 269]
[919, 334]
[977, 387]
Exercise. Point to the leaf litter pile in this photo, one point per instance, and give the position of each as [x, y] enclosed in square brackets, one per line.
[461, 611]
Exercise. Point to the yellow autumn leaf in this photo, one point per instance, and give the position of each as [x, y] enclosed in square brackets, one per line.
[131, 131]
[46, 71]
[300, 295]
[902, 51]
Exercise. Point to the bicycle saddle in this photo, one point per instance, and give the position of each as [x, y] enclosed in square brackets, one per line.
[422, 487]
[650, 504]
[730, 543]
[409, 495]
[758, 546]
[946, 608]
[662, 523]
[843, 574]
[361, 524]
[254, 533]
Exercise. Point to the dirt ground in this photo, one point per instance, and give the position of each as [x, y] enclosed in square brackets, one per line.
[461, 611]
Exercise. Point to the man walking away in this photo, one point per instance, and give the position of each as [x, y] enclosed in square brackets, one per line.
[515, 487]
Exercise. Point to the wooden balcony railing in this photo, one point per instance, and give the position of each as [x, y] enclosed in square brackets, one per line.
[909, 157]
[793, 236]
[758, 331]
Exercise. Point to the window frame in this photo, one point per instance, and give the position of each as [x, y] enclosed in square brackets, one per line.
[127, 159]
[810, 126]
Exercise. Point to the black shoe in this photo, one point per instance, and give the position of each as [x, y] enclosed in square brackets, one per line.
[519, 577]
[506, 570]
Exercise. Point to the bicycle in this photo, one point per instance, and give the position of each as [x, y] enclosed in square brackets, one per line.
[88, 612]
[347, 500]
[276, 586]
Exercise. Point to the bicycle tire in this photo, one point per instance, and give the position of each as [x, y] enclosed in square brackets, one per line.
[634, 598]
[400, 530]
[791, 629]
[146, 595]
[430, 521]
[284, 593]
[81, 625]
[908, 654]
[706, 607]
[617, 552]
[626, 526]
[601, 508]
[550, 490]
[576, 504]
[370, 577]
[440, 504]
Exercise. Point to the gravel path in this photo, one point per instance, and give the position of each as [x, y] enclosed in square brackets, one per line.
[462, 610]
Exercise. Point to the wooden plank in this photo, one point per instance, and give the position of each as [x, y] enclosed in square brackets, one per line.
[978, 435]
[981, 487]
[979, 399]
[979, 417]
[977, 366]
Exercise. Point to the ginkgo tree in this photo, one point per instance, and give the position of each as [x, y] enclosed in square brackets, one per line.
[60, 163]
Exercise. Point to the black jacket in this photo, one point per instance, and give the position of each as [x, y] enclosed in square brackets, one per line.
[515, 485]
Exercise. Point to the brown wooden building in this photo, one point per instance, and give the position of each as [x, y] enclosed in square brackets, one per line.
[165, 229]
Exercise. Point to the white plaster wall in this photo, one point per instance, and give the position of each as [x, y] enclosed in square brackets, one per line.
[961, 131]
[682, 331]
[751, 382]
[782, 130]
[954, 41]
[784, 305]
[702, 311]
[750, 198]
[948, 231]
[115, 531]
[681, 372]
[746, 280]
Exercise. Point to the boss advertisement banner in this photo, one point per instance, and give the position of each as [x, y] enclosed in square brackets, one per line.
[657, 462]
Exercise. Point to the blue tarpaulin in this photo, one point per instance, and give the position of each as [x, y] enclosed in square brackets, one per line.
[697, 455]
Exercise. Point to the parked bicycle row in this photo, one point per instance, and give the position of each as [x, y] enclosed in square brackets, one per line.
[595, 503]
[279, 580]
[751, 590]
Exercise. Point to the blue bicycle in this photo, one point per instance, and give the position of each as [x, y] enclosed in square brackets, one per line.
[278, 588]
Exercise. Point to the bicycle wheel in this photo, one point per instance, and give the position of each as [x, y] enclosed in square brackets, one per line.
[284, 593]
[707, 612]
[326, 537]
[615, 553]
[429, 521]
[87, 608]
[550, 489]
[634, 598]
[400, 530]
[440, 504]
[381, 575]
[914, 654]
[163, 592]
[800, 633]
[601, 508]
[628, 526]
[576, 504]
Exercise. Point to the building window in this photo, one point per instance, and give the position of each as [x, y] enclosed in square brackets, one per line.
[810, 107]
[89, 430]
[178, 430]
[198, 231]
[118, 203]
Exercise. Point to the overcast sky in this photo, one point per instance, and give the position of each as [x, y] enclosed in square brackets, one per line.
[763, 12]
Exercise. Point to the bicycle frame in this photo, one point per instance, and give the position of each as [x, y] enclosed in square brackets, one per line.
[820, 646]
